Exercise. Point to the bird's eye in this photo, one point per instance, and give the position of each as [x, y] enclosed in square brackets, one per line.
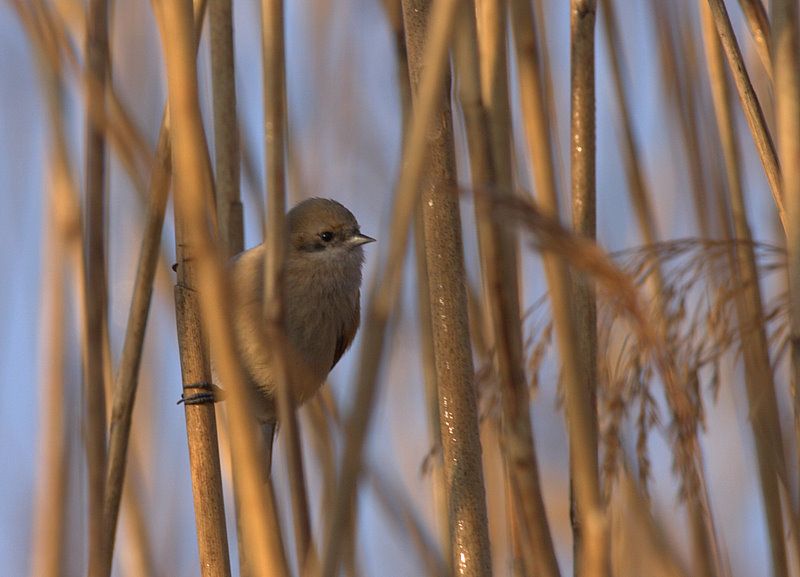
[326, 236]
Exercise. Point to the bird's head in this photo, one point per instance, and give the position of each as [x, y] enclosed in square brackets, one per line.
[325, 231]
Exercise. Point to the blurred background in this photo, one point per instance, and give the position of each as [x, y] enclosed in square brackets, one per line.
[345, 143]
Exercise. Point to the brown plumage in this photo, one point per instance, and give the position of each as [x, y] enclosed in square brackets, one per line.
[322, 294]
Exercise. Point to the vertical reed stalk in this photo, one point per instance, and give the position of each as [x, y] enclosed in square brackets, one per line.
[394, 13]
[431, 387]
[461, 446]
[176, 23]
[226, 128]
[127, 379]
[582, 158]
[193, 195]
[486, 113]
[787, 108]
[96, 305]
[275, 238]
[580, 414]
[227, 162]
[750, 104]
[386, 283]
[759, 381]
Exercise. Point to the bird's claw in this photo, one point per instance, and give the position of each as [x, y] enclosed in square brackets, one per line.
[211, 394]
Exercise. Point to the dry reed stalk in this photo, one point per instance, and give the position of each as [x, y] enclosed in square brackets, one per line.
[787, 108]
[584, 219]
[226, 128]
[580, 415]
[62, 235]
[759, 377]
[96, 307]
[385, 288]
[275, 237]
[461, 446]
[750, 105]
[757, 22]
[431, 388]
[227, 162]
[127, 379]
[488, 130]
[395, 16]
[193, 195]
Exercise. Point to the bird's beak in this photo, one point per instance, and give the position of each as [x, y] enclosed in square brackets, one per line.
[359, 239]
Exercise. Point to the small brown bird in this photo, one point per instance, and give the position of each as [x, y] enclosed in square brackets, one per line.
[322, 300]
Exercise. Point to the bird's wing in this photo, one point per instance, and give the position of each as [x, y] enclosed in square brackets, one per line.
[346, 333]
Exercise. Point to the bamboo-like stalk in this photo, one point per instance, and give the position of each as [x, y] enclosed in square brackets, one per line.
[579, 410]
[584, 219]
[759, 381]
[461, 446]
[750, 105]
[48, 543]
[431, 388]
[97, 67]
[227, 161]
[275, 238]
[787, 114]
[394, 14]
[385, 288]
[757, 22]
[226, 128]
[486, 112]
[192, 185]
[127, 379]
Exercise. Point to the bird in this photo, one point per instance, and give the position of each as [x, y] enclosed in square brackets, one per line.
[322, 276]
